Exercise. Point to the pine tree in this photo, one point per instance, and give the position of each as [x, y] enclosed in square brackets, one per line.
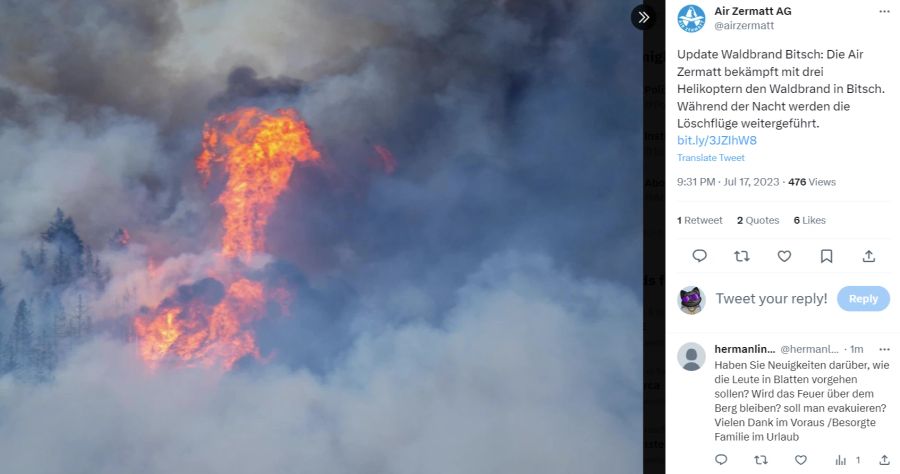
[59, 217]
[78, 322]
[92, 269]
[82, 322]
[41, 262]
[105, 277]
[80, 268]
[88, 264]
[20, 339]
[45, 357]
[4, 354]
[62, 271]
[61, 330]
[68, 264]
[27, 262]
[62, 228]
[2, 304]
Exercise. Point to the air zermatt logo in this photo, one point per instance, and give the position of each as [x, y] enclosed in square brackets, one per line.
[691, 18]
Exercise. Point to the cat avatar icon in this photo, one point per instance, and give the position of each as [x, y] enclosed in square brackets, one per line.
[691, 300]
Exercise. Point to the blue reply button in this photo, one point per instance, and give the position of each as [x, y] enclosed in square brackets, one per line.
[863, 298]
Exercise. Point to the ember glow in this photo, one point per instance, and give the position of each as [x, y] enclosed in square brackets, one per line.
[258, 152]
[387, 159]
[120, 239]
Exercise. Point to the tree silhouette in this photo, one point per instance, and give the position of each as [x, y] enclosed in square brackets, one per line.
[20, 339]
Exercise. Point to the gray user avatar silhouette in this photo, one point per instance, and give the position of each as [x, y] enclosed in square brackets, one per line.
[691, 356]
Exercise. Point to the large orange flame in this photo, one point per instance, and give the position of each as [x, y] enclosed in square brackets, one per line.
[258, 152]
[196, 335]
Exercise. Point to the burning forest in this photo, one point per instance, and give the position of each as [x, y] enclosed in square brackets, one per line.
[206, 323]
[257, 152]
[324, 236]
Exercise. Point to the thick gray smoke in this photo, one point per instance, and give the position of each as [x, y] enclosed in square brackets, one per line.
[473, 310]
[245, 88]
[525, 378]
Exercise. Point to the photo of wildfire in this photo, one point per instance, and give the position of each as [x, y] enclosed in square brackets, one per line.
[319, 236]
[258, 152]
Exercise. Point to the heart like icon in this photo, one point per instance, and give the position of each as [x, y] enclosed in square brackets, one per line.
[784, 255]
[800, 458]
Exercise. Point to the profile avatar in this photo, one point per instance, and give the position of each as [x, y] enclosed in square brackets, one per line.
[691, 300]
[691, 356]
[691, 18]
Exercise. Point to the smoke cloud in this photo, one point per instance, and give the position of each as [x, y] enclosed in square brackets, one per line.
[515, 381]
[244, 86]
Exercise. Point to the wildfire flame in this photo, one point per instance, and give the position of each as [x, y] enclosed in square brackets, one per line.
[121, 238]
[387, 159]
[258, 152]
[196, 335]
